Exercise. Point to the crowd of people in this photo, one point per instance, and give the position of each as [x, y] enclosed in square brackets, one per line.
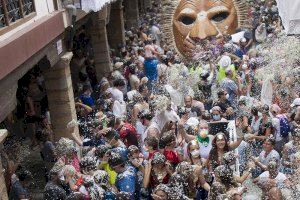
[158, 127]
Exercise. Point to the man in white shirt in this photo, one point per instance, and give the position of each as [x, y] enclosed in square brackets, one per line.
[151, 128]
[155, 32]
[271, 180]
[119, 107]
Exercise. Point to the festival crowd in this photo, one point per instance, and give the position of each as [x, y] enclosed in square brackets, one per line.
[158, 127]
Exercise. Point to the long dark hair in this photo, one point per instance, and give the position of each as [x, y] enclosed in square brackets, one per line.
[226, 177]
[213, 155]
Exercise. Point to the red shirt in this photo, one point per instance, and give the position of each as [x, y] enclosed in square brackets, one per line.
[128, 134]
[172, 156]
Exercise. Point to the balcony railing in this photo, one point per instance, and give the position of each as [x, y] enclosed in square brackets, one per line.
[13, 10]
[28, 6]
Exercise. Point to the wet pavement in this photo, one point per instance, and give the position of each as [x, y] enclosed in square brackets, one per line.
[33, 162]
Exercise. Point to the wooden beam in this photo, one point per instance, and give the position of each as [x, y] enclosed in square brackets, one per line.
[21, 9]
[4, 3]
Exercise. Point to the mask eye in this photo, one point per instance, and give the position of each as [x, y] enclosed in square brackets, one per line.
[187, 20]
[219, 17]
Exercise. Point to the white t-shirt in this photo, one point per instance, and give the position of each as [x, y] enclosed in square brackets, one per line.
[131, 93]
[116, 94]
[161, 118]
[153, 125]
[276, 125]
[141, 59]
[205, 150]
[156, 33]
[133, 79]
[272, 155]
[280, 178]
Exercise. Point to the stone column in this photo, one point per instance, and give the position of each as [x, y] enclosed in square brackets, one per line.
[131, 13]
[147, 4]
[99, 39]
[8, 90]
[142, 6]
[116, 30]
[3, 190]
[60, 96]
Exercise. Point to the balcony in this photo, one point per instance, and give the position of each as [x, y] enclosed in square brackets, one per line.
[15, 12]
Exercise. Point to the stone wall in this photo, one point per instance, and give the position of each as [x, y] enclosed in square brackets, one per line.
[3, 191]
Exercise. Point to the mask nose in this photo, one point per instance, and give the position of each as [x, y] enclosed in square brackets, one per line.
[202, 28]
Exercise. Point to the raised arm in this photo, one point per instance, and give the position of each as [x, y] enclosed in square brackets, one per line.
[135, 113]
[240, 137]
[181, 130]
[241, 179]
[87, 108]
[147, 174]
[202, 180]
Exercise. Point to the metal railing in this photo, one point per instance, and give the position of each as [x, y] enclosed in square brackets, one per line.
[13, 10]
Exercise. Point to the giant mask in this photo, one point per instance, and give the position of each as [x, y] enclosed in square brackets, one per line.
[194, 25]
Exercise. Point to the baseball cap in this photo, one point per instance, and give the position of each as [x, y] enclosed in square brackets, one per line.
[225, 61]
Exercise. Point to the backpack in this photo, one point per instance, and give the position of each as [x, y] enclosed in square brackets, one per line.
[285, 128]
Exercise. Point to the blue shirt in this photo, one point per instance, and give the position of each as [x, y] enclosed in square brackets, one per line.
[109, 195]
[17, 190]
[87, 100]
[240, 52]
[150, 66]
[126, 181]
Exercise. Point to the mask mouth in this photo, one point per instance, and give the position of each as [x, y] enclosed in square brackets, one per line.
[195, 153]
[202, 51]
[203, 43]
[203, 133]
[200, 48]
[216, 117]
